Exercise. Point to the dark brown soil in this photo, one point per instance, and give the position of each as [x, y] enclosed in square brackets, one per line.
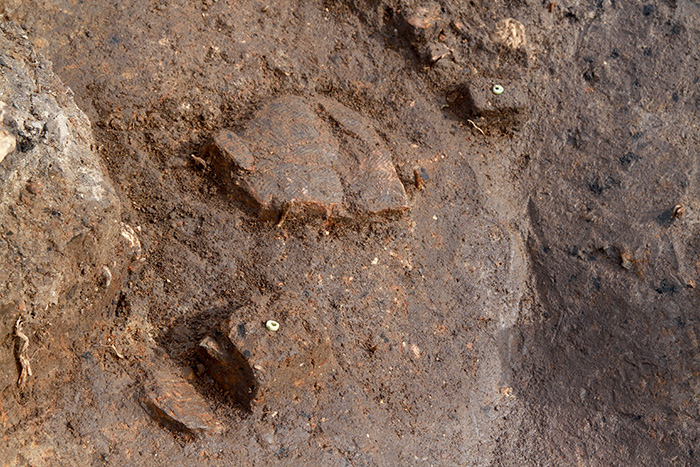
[535, 306]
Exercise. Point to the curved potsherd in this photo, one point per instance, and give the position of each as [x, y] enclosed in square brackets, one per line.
[303, 156]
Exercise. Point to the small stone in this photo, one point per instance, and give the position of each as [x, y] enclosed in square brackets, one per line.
[106, 277]
[7, 144]
[423, 23]
[678, 211]
[34, 186]
[488, 98]
[117, 124]
[436, 51]
[458, 26]
[425, 17]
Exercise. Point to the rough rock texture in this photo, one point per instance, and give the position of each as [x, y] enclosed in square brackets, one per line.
[289, 160]
[8, 142]
[63, 248]
[60, 215]
[510, 32]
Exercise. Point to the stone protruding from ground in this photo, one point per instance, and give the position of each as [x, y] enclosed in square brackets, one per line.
[510, 32]
[64, 251]
[482, 101]
[255, 365]
[59, 214]
[302, 156]
[175, 404]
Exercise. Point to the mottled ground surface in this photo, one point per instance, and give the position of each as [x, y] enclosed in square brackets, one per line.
[535, 306]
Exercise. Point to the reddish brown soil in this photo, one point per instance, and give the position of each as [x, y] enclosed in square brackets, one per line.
[535, 306]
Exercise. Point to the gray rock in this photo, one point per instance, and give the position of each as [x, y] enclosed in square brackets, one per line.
[59, 214]
[299, 156]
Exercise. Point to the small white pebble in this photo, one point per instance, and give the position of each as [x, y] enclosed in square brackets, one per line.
[416, 350]
[7, 144]
[272, 325]
[106, 276]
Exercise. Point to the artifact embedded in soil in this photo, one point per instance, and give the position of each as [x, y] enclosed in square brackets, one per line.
[309, 157]
[491, 99]
[510, 32]
[253, 365]
[174, 403]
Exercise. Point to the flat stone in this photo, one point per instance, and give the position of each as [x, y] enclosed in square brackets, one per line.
[255, 365]
[483, 102]
[309, 157]
[228, 367]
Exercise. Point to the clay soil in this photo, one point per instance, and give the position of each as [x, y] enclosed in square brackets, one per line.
[537, 304]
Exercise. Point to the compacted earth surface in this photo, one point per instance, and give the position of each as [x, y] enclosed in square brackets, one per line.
[477, 225]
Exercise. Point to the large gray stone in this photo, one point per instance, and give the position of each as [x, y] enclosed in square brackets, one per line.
[59, 214]
[62, 243]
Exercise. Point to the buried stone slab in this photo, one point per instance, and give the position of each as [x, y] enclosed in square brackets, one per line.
[309, 157]
[255, 365]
